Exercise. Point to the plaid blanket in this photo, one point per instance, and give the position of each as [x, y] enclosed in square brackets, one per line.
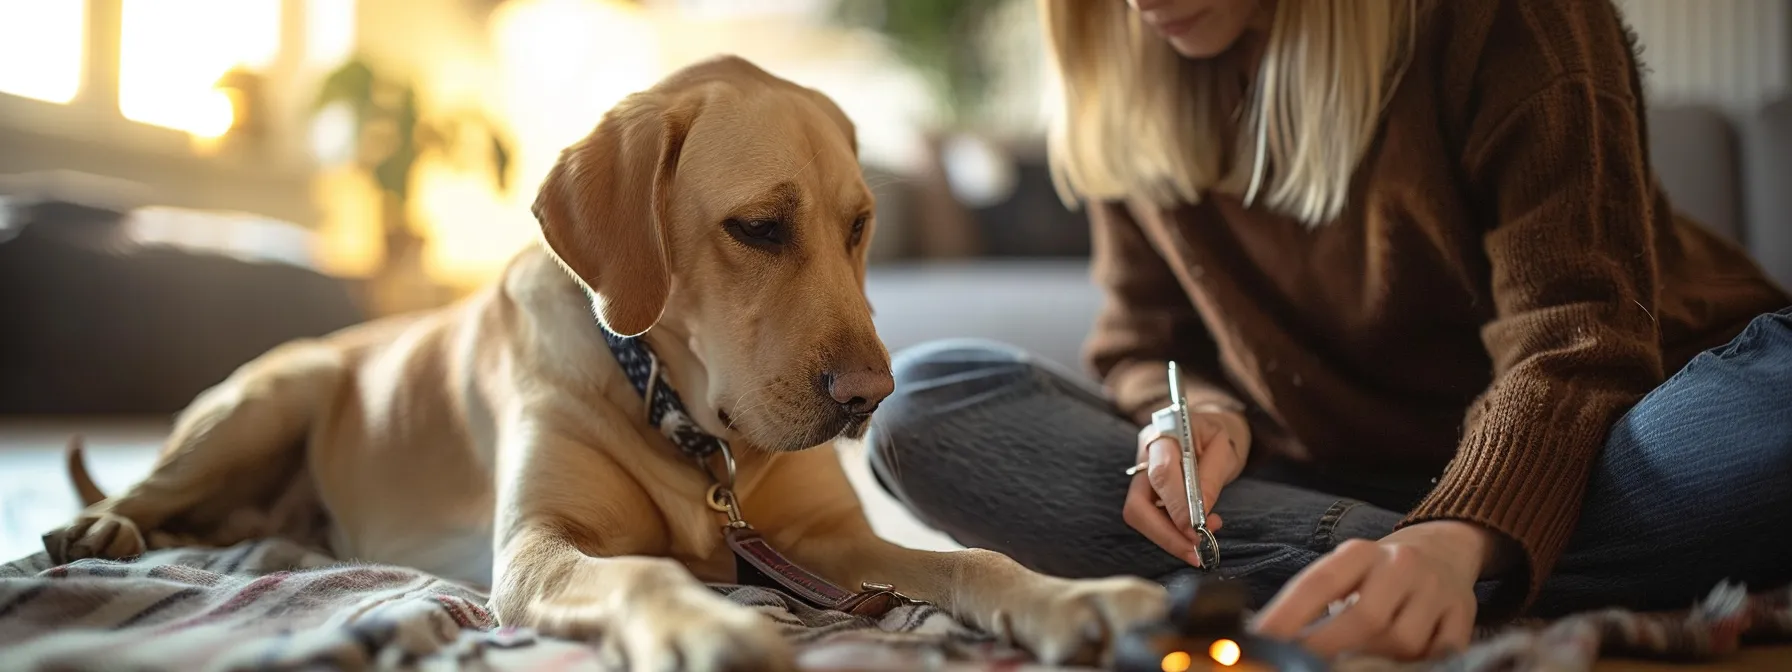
[272, 605]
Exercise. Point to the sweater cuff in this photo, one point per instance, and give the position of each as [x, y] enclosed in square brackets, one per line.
[1140, 388]
[1521, 471]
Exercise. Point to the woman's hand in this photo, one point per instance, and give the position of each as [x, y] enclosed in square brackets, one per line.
[1157, 504]
[1410, 595]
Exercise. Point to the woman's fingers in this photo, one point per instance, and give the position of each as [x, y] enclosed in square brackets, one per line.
[1219, 460]
[1166, 497]
[1305, 597]
[1411, 634]
[1168, 465]
[1142, 515]
[1453, 630]
[1384, 592]
[1163, 468]
[1399, 604]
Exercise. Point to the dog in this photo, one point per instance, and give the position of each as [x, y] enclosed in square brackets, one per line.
[720, 218]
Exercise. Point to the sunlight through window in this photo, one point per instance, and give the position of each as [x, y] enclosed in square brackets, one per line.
[172, 52]
[42, 46]
[329, 32]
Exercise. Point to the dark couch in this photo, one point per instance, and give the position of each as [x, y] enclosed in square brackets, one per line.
[95, 326]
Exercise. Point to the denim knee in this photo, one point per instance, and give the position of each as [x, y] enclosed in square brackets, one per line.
[951, 358]
[934, 378]
[1696, 471]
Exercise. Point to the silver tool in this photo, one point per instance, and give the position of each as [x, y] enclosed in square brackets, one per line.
[1174, 421]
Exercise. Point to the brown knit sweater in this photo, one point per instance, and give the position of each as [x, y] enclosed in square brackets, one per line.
[1506, 282]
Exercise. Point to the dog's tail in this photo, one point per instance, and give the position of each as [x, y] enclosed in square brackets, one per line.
[77, 473]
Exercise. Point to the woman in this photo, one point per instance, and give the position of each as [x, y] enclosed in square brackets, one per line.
[1426, 294]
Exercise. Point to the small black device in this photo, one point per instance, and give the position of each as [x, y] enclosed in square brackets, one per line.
[1204, 631]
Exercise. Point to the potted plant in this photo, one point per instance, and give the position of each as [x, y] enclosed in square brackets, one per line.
[392, 135]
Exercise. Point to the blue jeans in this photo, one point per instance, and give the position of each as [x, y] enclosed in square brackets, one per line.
[1009, 453]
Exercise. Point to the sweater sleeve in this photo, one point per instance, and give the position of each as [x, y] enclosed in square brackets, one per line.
[1146, 321]
[1574, 343]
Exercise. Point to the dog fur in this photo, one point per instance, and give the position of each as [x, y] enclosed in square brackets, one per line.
[497, 441]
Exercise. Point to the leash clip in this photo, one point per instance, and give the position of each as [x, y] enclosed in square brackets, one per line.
[721, 497]
[722, 500]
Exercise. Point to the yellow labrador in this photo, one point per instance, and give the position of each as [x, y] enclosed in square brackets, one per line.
[721, 217]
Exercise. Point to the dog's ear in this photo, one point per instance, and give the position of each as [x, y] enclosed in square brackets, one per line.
[838, 116]
[604, 209]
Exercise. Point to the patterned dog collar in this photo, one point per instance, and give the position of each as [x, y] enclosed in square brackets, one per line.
[664, 409]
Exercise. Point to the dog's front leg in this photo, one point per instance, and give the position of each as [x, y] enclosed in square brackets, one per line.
[1058, 620]
[644, 613]
[574, 560]
[819, 520]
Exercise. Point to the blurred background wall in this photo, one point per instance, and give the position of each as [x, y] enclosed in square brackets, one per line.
[1735, 53]
[189, 182]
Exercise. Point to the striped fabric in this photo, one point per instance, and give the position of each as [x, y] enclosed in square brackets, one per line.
[272, 605]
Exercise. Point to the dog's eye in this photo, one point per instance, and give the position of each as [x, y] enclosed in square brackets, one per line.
[757, 232]
[858, 233]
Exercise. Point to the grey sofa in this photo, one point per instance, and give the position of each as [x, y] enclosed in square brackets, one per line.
[1732, 172]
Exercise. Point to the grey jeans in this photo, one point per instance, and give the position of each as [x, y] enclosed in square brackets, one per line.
[1006, 452]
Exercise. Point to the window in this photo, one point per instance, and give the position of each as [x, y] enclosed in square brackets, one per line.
[42, 48]
[329, 32]
[172, 52]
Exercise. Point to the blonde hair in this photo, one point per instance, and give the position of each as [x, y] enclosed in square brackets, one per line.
[1138, 120]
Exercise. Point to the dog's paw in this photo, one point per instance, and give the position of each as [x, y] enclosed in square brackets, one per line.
[682, 629]
[1062, 620]
[95, 535]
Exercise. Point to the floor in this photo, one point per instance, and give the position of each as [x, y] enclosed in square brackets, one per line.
[35, 494]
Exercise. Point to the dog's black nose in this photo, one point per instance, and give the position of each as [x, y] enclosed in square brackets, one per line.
[859, 392]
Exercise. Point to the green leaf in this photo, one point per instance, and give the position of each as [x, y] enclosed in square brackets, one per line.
[501, 163]
[394, 172]
[937, 37]
[350, 83]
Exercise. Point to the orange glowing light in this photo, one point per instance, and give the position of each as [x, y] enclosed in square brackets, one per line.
[1224, 652]
[1177, 661]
